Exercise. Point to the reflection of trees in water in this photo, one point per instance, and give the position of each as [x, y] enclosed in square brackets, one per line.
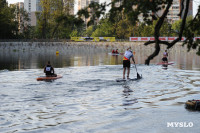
[35, 56]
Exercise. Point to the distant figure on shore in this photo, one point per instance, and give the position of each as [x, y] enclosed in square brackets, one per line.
[49, 70]
[165, 55]
[126, 62]
[115, 51]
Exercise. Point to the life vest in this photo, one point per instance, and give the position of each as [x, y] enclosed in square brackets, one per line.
[128, 55]
[113, 51]
[48, 69]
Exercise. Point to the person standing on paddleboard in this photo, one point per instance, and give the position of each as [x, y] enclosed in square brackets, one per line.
[126, 62]
[49, 70]
[165, 55]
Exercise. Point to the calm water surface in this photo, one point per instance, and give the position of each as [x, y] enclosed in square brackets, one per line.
[88, 99]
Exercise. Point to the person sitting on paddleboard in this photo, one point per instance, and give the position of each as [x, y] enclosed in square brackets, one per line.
[126, 62]
[165, 55]
[49, 70]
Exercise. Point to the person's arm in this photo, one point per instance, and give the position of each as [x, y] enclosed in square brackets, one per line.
[52, 69]
[133, 59]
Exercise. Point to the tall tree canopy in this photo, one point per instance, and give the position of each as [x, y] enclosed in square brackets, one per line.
[55, 21]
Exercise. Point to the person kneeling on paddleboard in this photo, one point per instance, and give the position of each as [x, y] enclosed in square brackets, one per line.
[49, 70]
[126, 62]
[165, 55]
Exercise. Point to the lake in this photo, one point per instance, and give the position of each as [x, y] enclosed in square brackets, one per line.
[88, 98]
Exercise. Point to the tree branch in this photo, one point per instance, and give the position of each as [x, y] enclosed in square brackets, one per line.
[149, 42]
[182, 26]
[157, 33]
[182, 7]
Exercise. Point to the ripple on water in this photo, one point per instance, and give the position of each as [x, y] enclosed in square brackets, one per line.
[88, 99]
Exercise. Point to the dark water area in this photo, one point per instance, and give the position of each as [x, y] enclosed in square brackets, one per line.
[29, 57]
[88, 98]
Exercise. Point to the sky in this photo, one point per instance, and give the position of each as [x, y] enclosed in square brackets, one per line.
[195, 3]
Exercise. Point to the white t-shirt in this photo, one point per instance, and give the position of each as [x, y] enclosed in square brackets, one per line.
[128, 54]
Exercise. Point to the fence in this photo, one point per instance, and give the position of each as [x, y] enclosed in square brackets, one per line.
[160, 38]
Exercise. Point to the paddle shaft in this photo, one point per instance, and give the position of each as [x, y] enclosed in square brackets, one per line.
[135, 67]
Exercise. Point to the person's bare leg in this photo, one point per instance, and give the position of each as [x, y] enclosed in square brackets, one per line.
[124, 71]
[128, 72]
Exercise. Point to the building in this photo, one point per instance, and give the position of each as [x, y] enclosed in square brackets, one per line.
[175, 9]
[32, 6]
[19, 15]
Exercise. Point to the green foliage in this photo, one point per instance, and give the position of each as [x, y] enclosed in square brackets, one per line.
[55, 21]
[8, 27]
[177, 24]
[146, 30]
[90, 30]
[124, 29]
[74, 33]
[104, 29]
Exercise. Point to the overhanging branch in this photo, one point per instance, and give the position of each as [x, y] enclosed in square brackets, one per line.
[157, 33]
[182, 25]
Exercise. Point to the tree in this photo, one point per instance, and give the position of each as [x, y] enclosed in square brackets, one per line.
[92, 13]
[104, 29]
[148, 10]
[8, 27]
[124, 29]
[55, 20]
[43, 19]
[22, 19]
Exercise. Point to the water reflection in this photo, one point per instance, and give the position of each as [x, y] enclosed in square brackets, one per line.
[164, 67]
[29, 57]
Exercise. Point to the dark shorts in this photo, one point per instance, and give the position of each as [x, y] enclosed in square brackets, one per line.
[164, 59]
[126, 63]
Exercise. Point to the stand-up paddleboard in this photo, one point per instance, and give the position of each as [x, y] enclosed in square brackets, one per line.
[124, 80]
[41, 78]
[169, 63]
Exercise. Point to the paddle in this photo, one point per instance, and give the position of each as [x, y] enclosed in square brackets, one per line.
[138, 76]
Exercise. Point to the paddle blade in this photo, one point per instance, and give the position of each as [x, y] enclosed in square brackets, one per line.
[138, 76]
